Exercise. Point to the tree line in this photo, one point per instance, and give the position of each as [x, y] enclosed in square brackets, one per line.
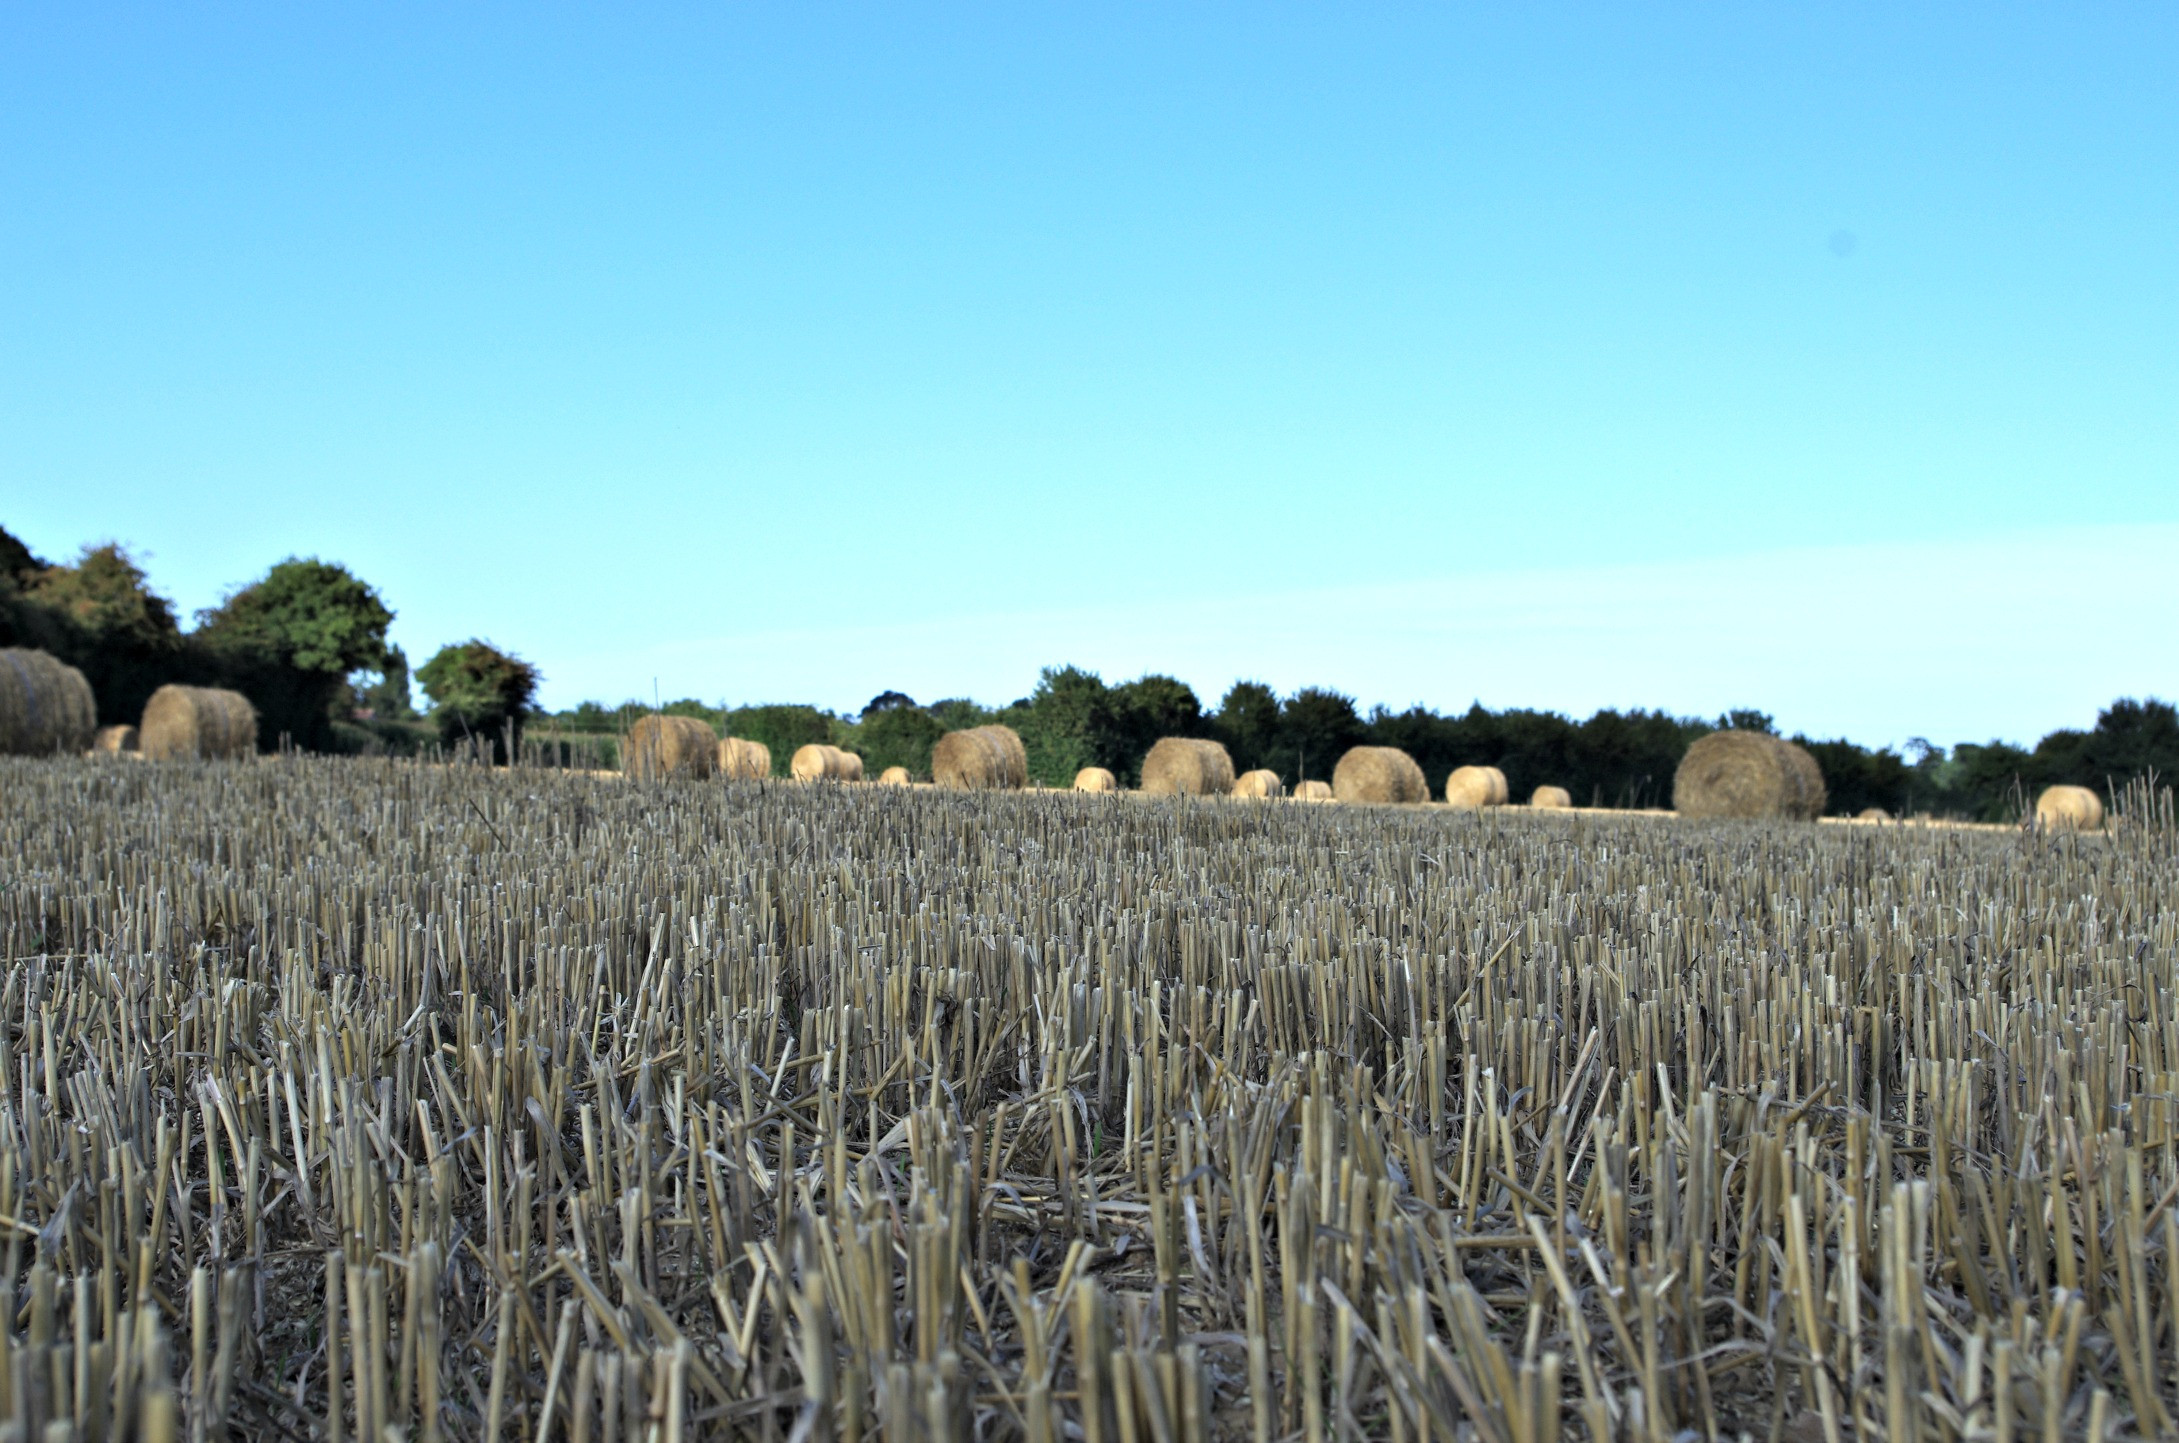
[307, 643]
[1612, 759]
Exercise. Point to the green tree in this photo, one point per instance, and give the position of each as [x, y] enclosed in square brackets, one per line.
[291, 640]
[17, 561]
[1248, 723]
[102, 617]
[477, 690]
[386, 694]
[1316, 728]
[895, 732]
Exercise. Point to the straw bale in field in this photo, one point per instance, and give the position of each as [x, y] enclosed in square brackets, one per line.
[894, 777]
[817, 762]
[1095, 779]
[742, 760]
[658, 747]
[114, 740]
[45, 705]
[2068, 809]
[1259, 783]
[1379, 774]
[1187, 767]
[1872, 814]
[980, 758]
[1549, 798]
[1747, 775]
[1313, 791]
[197, 723]
[1471, 787]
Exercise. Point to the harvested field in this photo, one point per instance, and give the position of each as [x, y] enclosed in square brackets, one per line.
[356, 1099]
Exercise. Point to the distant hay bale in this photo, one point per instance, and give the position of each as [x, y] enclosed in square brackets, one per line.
[1872, 814]
[742, 760]
[980, 759]
[1748, 775]
[197, 723]
[1187, 767]
[894, 777]
[1313, 791]
[1550, 799]
[46, 706]
[1379, 774]
[2068, 809]
[1261, 783]
[659, 747]
[115, 740]
[1095, 779]
[817, 762]
[1471, 787]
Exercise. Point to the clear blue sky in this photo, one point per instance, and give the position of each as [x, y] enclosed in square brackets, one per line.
[798, 352]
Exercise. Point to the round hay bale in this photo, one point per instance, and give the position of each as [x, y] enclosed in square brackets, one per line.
[1472, 787]
[1187, 767]
[979, 759]
[1747, 775]
[658, 747]
[1808, 777]
[2068, 809]
[1872, 814]
[742, 760]
[1262, 784]
[113, 741]
[894, 777]
[1095, 779]
[197, 723]
[1379, 774]
[817, 762]
[1313, 791]
[1550, 799]
[45, 705]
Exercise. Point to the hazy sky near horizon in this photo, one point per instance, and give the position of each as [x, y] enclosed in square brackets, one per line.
[1819, 359]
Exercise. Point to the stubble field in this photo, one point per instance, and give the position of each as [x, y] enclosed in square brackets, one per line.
[348, 1097]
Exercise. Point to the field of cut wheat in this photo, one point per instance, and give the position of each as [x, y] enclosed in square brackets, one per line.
[357, 1101]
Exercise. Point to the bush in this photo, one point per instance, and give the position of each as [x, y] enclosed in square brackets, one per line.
[478, 691]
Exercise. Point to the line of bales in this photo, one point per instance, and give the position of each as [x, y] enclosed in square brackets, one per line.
[46, 708]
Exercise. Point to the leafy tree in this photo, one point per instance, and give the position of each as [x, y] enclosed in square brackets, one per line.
[17, 561]
[1315, 729]
[476, 690]
[897, 736]
[1747, 719]
[291, 640]
[102, 617]
[1248, 723]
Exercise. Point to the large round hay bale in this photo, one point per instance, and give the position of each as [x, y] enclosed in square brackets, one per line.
[817, 762]
[1095, 779]
[1548, 798]
[1748, 775]
[114, 741]
[1262, 784]
[1187, 767]
[980, 758]
[1471, 787]
[1379, 774]
[2068, 809]
[742, 760]
[895, 777]
[1313, 791]
[1872, 814]
[45, 705]
[658, 747]
[197, 723]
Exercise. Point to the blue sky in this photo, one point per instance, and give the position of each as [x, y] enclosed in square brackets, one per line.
[1821, 359]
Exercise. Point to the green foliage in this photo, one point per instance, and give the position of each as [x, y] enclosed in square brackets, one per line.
[1857, 778]
[1248, 722]
[386, 694]
[17, 561]
[101, 617]
[477, 690]
[308, 614]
